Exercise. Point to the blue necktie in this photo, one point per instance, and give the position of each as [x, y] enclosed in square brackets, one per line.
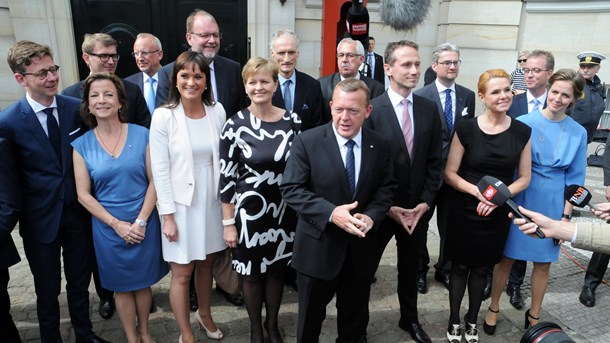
[536, 105]
[287, 95]
[350, 166]
[151, 96]
[448, 111]
[53, 132]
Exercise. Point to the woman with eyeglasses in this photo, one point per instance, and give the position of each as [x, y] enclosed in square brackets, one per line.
[559, 146]
[517, 77]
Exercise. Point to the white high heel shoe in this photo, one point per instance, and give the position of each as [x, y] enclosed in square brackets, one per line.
[217, 335]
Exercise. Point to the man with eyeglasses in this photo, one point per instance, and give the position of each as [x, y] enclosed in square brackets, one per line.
[538, 69]
[35, 136]
[100, 55]
[203, 36]
[152, 80]
[587, 112]
[297, 91]
[350, 55]
[454, 103]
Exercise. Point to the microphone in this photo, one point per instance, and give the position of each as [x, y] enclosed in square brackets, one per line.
[404, 14]
[496, 192]
[579, 196]
[357, 22]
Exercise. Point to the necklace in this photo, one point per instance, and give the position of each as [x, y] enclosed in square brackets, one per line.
[553, 149]
[111, 152]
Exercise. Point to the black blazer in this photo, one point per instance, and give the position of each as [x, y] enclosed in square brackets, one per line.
[464, 109]
[418, 176]
[379, 73]
[307, 100]
[519, 105]
[162, 87]
[137, 110]
[328, 83]
[229, 84]
[10, 202]
[314, 183]
[44, 184]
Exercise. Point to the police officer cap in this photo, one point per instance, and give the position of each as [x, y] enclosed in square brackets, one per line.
[590, 57]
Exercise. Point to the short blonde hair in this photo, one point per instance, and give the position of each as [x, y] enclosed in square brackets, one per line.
[260, 65]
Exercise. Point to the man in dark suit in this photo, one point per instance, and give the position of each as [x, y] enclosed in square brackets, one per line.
[454, 103]
[39, 129]
[374, 63]
[350, 55]
[538, 69]
[10, 202]
[537, 72]
[413, 123]
[100, 54]
[338, 213]
[297, 91]
[203, 36]
[152, 80]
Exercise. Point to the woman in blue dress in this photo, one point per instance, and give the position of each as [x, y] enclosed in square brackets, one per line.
[114, 183]
[559, 146]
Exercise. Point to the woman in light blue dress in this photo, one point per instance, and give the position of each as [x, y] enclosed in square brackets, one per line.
[559, 146]
[114, 183]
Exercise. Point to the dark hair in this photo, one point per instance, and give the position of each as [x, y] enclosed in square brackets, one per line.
[88, 118]
[577, 81]
[389, 50]
[190, 59]
[21, 53]
[550, 59]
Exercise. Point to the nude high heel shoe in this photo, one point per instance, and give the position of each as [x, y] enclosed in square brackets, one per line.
[217, 335]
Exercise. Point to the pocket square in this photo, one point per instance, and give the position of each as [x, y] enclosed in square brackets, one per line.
[465, 112]
[73, 132]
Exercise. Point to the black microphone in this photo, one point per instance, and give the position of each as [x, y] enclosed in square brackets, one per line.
[496, 192]
[404, 14]
[357, 21]
[579, 196]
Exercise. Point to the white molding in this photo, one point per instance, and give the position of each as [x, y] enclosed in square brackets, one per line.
[554, 6]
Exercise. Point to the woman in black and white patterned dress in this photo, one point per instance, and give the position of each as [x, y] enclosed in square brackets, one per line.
[254, 147]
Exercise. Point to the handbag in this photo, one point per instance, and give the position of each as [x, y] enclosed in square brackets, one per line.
[224, 274]
[597, 159]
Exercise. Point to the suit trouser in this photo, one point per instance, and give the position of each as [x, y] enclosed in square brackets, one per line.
[443, 206]
[517, 274]
[596, 269]
[353, 292]
[74, 243]
[408, 253]
[8, 330]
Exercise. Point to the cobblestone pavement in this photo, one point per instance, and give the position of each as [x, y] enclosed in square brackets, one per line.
[561, 303]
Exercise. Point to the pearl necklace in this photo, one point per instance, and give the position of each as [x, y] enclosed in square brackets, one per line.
[553, 149]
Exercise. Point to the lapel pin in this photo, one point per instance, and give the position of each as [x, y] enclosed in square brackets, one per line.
[371, 147]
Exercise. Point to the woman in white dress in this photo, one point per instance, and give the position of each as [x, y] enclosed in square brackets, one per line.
[184, 136]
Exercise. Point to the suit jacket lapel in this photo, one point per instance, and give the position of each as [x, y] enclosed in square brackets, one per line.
[331, 148]
[388, 113]
[367, 153]
[459, 105]
[31, 122]
[64, 129]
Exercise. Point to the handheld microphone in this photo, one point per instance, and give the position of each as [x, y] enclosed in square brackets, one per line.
[496, 192]
[404, 14]
[357, 22]
[579, 196]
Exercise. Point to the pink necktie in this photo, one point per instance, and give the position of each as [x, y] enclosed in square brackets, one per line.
[407, 126]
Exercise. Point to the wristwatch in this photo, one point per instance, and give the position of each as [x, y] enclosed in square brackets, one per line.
[141, 222]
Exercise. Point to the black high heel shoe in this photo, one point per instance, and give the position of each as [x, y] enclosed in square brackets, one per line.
[490, 329]
[527, 319]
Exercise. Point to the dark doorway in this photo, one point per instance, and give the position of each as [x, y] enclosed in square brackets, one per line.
[166, 19]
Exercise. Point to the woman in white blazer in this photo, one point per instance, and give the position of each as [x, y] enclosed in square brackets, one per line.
[184, 136]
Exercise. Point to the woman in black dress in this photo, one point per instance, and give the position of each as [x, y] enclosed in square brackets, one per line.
[254, 147]
[490, 144]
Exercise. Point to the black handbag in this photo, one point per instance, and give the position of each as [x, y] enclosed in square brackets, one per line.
[597, 158]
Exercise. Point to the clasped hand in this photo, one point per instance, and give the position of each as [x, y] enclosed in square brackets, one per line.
[358, 224]
[131, 233]
[408, 218]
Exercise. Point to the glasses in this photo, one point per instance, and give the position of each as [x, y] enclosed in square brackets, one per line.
[348, 55]
[522, 61]
[536, 71]
[42, 74]
[105, 57]
[448, 64]
[143, 53]
[216, 35]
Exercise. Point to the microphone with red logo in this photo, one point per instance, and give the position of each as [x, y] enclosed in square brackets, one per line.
[496, 192]
[579, 196]
[357, 22]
